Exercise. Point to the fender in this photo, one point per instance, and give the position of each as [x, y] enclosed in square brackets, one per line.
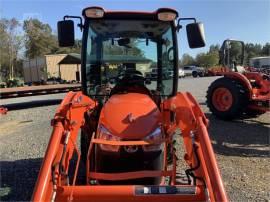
[262, 79]
[242, 79]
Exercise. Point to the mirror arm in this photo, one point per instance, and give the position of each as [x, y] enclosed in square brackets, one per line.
[178, 27]
[80, 25]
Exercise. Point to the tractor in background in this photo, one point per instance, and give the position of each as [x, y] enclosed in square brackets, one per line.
[239, 92]
[127, 122]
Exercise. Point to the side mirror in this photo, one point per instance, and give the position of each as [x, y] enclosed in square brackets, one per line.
[195, 34]
[171, 54]
[66, 36]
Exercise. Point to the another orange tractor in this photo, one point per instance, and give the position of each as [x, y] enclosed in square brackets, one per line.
[128, 123]
[239, 92]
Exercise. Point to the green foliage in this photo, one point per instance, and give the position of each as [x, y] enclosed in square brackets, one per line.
[75, 49]
[266, 50]
[130, 49]
[214, 48]
[207, 59]
[187, 60]
[211, 58]
[15, 82]
[10, 44]
[234, 53]
[39, 38]
[252, 50]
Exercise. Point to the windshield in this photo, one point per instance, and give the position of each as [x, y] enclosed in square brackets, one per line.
[123, 53]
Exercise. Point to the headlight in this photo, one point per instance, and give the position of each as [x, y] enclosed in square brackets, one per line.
[104, 133]
[155, 136]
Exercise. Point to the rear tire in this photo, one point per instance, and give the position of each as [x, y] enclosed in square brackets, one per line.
[226, 98]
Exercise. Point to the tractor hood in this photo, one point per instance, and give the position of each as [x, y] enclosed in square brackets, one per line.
[130, 116]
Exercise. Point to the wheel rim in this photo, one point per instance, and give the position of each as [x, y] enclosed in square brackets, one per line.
[222, 99]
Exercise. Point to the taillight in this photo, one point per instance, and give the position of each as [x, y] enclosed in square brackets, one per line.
[105, 134]
[155, 136]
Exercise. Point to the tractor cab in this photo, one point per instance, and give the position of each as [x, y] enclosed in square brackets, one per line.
[119, 54]
[120, 48]
[231, 55]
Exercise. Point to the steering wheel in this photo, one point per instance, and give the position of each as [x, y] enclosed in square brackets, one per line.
[131, 78]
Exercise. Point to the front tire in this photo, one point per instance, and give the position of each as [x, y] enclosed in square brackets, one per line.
[226, 98]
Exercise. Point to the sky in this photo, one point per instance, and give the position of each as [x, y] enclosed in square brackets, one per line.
[246, 20]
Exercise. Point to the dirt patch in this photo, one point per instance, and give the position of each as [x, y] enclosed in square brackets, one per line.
[9, 127]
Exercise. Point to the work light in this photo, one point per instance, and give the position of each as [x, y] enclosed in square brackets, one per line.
[94, 12]
[167, 16]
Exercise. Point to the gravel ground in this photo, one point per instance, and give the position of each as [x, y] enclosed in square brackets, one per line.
[241, 147]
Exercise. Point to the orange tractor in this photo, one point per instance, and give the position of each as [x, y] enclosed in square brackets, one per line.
[127, 122]
[239, 92]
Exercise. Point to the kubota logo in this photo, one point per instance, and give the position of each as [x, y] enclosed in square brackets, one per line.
[131, 148]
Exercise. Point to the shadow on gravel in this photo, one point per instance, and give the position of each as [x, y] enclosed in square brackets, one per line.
[31, 104]
[18, 178]
[247, 138]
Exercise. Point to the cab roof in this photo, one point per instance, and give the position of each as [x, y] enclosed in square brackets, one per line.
[138, 15]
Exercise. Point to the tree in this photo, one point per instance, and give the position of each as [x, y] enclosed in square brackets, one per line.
[252, 50]
[74, 49]
[39, 38]
[214, 48]
[207, 59]
[187, 60]
[10, 44]
[235, 53]
[266, 49]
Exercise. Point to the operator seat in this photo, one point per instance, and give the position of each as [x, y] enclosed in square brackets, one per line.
[131, 80]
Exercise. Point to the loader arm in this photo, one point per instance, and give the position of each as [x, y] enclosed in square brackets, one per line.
[69, 118]
[199, 152]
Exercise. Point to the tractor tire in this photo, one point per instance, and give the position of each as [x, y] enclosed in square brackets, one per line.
[226, 98]
[195, 74]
